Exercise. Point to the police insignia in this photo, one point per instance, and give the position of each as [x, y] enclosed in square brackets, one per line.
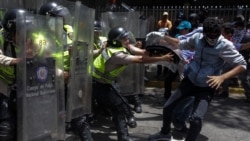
[42, 73]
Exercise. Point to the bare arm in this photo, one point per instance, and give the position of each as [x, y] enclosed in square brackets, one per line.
[137, 51]
[245, 46]
[96, 52]
[172, 41]
[147, 59]
[216, 81]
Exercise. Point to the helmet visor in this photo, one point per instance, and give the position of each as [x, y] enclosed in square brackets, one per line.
[128, 35]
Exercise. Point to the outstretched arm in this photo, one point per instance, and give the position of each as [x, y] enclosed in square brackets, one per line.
[216, 81]
[245, 46]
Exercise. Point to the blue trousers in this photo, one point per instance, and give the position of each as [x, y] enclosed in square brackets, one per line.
[203, 96]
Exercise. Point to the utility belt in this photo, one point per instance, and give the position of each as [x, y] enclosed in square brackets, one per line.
[100, 81]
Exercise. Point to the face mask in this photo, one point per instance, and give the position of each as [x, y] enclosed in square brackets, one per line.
[211, 41]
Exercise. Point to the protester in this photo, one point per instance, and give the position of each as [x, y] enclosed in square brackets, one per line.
[203, 75]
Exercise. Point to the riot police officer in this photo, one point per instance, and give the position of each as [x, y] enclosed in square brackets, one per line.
[7, 75]
[80, 125]
[108, 65]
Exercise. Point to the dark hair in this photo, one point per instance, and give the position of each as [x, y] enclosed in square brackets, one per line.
[239, 20]
[228, 27]
[212, 25]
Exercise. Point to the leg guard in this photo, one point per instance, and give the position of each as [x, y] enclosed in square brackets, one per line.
[7, 132]
[129, 115]
[81, 128]
[137, 103]
[7, 128]
[121, 128]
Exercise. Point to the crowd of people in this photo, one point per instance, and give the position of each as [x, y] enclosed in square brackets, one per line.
[209, 52]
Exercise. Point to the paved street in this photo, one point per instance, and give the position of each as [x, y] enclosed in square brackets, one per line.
[226, 120]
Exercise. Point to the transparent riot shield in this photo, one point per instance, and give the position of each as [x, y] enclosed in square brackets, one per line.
[131, 81]
[128, 20]
[40, 82]
[2, 11]
[80, 83]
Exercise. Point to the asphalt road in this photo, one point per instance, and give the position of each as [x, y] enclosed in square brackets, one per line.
[228, 119]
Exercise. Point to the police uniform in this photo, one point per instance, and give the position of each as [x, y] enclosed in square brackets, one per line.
[7, 91]
[107, 67]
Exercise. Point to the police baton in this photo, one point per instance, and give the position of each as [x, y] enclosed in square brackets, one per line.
[120, 96]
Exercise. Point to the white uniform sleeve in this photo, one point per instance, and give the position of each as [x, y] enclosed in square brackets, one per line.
[5, 60]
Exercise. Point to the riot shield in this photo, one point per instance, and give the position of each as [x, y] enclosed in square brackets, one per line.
[2, 11]
[131, 81]
[40, 82]
[128, 20]
[80, 83]
[27, 4]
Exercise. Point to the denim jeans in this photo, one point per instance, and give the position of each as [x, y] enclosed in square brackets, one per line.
[203, 96]
[182, 112]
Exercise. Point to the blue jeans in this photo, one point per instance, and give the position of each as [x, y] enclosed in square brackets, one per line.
[182, 112]
[203, 96]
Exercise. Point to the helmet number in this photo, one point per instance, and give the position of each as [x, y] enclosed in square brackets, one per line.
[42, 42]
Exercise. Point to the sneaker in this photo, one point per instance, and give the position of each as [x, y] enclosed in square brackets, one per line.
[159, 137]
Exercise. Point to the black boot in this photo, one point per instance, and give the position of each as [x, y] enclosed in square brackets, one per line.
[81, 128]
[130, 117]
[121, 128]
[7, 120]
[137, 104]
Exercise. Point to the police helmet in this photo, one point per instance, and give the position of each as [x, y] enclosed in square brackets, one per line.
[97, 25]
[9, 19]
[55, 10]
[194, 19]
[115, 35]
[50, 8]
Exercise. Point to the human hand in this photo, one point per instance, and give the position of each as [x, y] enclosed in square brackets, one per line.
[66, 76]
[15, 61]
[138, 44]
[168, 57]
[215, 81]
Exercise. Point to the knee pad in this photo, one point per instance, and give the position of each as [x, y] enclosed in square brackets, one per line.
[7, 132]
[4, 107]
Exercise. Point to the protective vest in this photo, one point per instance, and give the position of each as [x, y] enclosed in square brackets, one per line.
[7, 73]
[98, 45]
[100, 73]
[66, 57]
